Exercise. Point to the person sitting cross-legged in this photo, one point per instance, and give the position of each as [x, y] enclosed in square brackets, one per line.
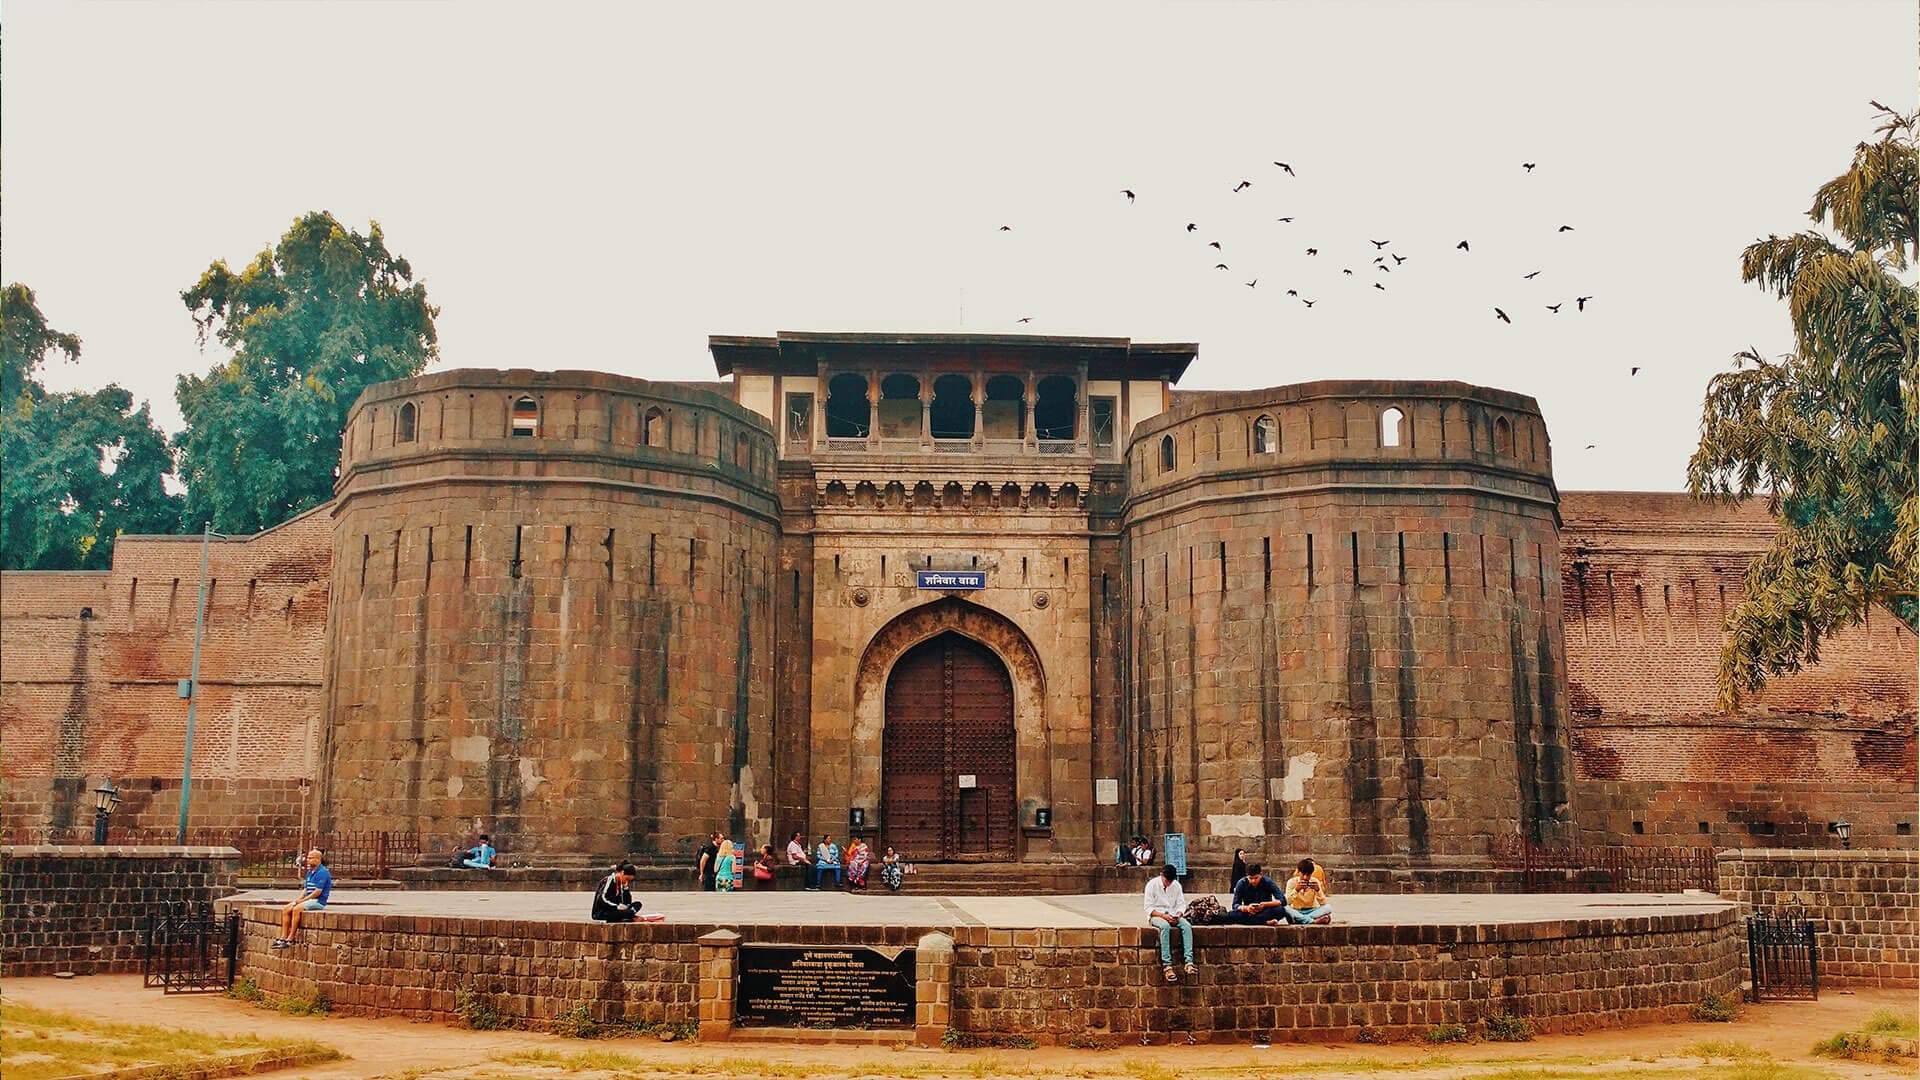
[1166, 904]
[613, 902]
[1256, 899]
[1307, 895]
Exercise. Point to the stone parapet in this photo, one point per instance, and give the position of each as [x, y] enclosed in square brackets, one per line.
[1865, 906]
[85, 909]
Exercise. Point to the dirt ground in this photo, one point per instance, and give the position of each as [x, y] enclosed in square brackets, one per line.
[392, 1047]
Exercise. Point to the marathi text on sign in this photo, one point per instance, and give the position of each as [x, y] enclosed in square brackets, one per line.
[785, 986]
[951, 579]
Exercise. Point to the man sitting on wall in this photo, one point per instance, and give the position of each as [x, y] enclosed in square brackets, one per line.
[1142, 851]
[1166, 904]
[481, 856]
[1256, 899]
[613, 902]
[313, 897]
[1307, 895]
[797, 856]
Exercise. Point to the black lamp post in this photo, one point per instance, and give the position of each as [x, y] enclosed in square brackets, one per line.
[106, 799]
[1842, 829]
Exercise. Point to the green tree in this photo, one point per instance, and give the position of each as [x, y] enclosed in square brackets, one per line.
[80, 468]
[311, 322]
[1826, 433]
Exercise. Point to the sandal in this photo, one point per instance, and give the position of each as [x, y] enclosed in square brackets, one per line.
[1171, 977]
[1192, 970]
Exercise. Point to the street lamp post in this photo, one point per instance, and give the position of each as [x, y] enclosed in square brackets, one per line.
[191, 691]
[106, 799]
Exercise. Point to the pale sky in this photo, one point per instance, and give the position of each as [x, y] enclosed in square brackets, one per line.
[602, 186]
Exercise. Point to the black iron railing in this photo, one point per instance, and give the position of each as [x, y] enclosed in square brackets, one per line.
[1783, 956]
[1608, 868]
[190, 950]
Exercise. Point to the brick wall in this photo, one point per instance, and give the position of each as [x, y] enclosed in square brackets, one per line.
[1648, 579]
[1321, 983]
[89, 663]
[85, 909]
[1865, 906]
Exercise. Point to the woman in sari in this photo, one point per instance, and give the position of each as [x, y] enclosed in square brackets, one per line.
[892, 871]
[723, 867]
[859, 858]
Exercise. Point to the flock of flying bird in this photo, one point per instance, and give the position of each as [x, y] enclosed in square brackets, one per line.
[1380, 264]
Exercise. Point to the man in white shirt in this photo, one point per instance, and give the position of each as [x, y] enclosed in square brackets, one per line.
[1166, 905]
[797, 856]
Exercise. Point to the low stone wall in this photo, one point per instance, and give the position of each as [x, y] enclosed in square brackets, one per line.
[1865, 906]
[1301, 983]
[85, 909]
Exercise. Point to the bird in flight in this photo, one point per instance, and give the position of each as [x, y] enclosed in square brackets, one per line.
[1527, 165]
[1398, 259]
[1555, 308]
[1024, 319]
[1565, 228]
[1308, 302]
[1283, 219]
[1379, 286]
[1589, 446]
[1284, 167]
[1214, 244]
[1462, 246]
[1349, 273]
[1219, 266]
[1252, 283]
[1531, 276]
[1191, 227]
[1378, 244]
[1502, 316]
[1242, 186]
[1581, 302]
[1127, 193]
[1313, 251]
[1293, 293]
[1006, 228]
[1633, 372]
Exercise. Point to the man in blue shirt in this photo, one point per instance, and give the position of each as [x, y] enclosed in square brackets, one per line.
[481, 856]
[313, 897]
[1256, 899]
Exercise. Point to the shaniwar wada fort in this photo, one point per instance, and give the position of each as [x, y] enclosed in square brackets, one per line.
[1002, 602]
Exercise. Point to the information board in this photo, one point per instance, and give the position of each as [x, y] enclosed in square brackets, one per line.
[951, 579]
[850, 987]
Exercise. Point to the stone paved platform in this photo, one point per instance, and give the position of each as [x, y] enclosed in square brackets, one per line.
[1004, 912]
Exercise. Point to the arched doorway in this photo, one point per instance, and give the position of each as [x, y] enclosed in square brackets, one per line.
[947, 753]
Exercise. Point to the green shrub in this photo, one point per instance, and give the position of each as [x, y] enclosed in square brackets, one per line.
[1091, 1040]
[955, 1039]
[313, 1002]
[1718, 1009]
[666, 1030]
[245, 989]
[1447, 1033]
[576, 1023]
[480, 1011]
[1506, 1027]
[1888, 1022]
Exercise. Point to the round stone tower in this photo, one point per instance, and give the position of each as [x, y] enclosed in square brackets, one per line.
[551, 614]
[1346, 633]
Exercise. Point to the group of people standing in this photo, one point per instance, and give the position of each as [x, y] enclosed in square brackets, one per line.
[1257, 900]
[826, 856]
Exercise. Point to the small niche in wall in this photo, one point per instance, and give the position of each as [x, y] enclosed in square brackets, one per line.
[1904, 828]
[1704, 828]
[1639, 828]
[1760, 828]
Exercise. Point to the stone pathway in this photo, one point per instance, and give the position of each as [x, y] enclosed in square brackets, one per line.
[1007, 912]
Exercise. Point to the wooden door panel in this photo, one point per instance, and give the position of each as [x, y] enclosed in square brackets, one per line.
[949, 713]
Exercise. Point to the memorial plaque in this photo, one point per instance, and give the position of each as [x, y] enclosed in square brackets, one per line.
[851, 987]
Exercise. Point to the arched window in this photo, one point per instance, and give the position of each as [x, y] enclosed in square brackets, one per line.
[1502, 436]
[1056, 412]
[1391, 427]
[653, 427]
[849, 416]
[899, 407]
[951, 413]
[1004, 414]
[1266, 435]
[404, 427]
[1166, 453]
[526, 418]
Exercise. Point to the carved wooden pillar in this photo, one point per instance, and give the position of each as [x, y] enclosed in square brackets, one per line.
[979, 394]
[873, 410]
[926, 414]
[1028, 397]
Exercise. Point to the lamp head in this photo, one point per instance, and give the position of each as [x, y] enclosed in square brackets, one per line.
[106, 797]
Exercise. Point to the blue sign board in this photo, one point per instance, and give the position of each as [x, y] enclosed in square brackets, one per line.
[951, 579]
[1176, 851]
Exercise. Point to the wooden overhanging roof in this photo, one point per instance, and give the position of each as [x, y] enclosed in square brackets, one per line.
[797, 353]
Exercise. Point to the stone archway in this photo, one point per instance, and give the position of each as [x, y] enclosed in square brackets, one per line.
[1033, 750]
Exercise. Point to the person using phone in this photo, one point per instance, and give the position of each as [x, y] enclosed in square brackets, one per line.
[1307, 895]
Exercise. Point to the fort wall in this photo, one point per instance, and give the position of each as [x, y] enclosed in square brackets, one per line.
[1343, 634]
[552, 614]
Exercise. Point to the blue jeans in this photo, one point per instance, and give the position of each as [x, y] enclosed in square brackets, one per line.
[1308, 915]
[1166, 939]
[820, 874]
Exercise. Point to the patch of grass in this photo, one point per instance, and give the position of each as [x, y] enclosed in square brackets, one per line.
[1888, 1022]
[1712, 1049]
[311, 1002]
[1447, 1033]
[955, 1039]
[1091, 1040]
[1147, 1070]
[37, 1044]
[576, 1023]
[1506, 1027]
[245, 989]
[1718, 1009]
[481, 1011]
